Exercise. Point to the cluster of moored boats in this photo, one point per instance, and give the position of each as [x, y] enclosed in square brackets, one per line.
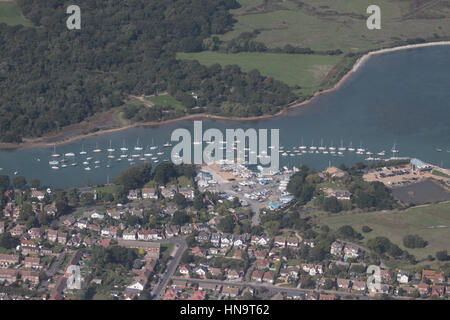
[335, 151]
[93, 160]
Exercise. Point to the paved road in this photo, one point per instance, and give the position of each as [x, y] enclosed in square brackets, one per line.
[51, 272]
[271, 288]
[158, 291]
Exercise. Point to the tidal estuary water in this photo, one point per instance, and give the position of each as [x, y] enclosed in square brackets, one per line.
[400, 98]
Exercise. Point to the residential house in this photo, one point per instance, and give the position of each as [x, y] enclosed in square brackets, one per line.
[198, 295]
[171, 231]
[215, 272]
[433, 276]
[35, 233]
[215, 239]
[62, 237]
[50, 209]
[184, 270]
[340, 194]
[240, 240]
[269, 277]
[280, 241]
[423, 288]
[230, 291]
[129, 235]
[114, 213]
[234, 275]
[147, 235]
[386, 275]
[31, 276]
[200, 271]
[69, 221]
[402, 276]
[260, 241]
[359, 286]
[309, 243]
[257, 275]
[170, 294]
[9, 275]
[324, 296]
[133, 194]
[40, 195]
[198, 252]
[263, 264]
[52, 235]
[149, 193]
[188, 193]
[292, 242]
[7, 260]
[188, 230]
[438, 291]
[203, 236]
[343, 284]
[226, 240]
[351, 252]
[17, 231]
[336, 248]
[82, 224]
[168, 192]
[32, 263]
[260, 254]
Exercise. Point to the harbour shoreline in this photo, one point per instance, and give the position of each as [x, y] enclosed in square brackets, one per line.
[358, 64]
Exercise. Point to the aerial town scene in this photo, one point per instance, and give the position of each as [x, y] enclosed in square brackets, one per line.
[224, 150]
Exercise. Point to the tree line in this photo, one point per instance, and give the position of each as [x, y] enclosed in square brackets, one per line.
[51, 77]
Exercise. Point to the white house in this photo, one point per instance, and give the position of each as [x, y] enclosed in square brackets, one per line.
[129, 235]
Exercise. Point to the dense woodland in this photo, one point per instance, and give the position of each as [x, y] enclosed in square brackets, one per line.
[51, 77]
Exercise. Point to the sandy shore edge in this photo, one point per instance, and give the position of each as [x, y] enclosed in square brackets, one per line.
[359, 63]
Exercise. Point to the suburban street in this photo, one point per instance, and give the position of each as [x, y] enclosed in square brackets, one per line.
[158, 291]
[270, 287]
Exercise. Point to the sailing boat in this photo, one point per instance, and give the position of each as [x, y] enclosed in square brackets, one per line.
[124, 148]
[82, 150]
[110, 149]
[138, 148]
[394, 149]
[350, 147]
[302, 147]
[361, 149]
[153, 147]
[332, 148]
[321, 145]
[342, 148]
[55, 155]
[97, 150]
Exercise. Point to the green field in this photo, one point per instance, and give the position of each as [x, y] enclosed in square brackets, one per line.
[339, 24]
[421, 220]
[165, 100]
[292, 69]
[11, 15]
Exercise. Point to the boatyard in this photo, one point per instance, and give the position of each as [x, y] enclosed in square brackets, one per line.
[252, 187]
[401, 175]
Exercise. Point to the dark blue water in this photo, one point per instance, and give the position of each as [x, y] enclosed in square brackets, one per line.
[401, 97]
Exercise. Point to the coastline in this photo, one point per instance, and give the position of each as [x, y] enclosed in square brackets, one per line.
[358, 64]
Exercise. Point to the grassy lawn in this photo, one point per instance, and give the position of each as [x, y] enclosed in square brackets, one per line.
[166, 249]
[339, 24]
[423, 221]
[11, 15]
[107, 189]
[292, 69]
[165, 100]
